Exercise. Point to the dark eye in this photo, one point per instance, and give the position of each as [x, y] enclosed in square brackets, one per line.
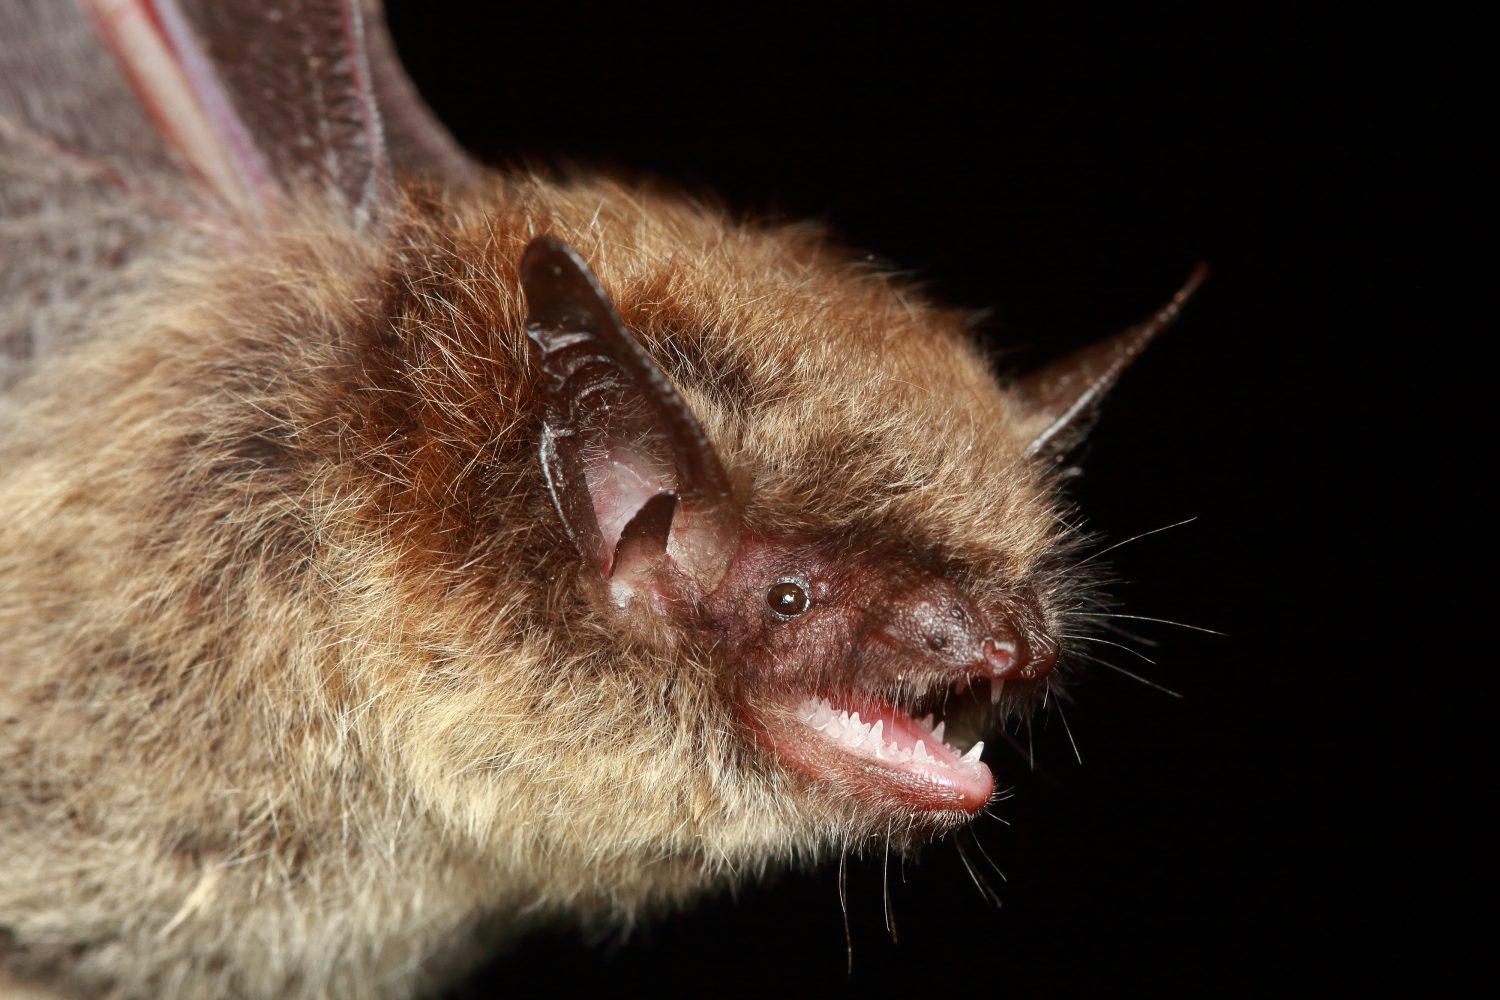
[787, 598]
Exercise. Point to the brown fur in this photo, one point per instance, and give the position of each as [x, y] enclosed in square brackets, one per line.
[299, 694]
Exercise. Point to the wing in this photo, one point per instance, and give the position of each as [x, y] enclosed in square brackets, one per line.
[84, 179]
[121, 119]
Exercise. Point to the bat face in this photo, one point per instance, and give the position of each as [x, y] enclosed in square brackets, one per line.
[882, 544]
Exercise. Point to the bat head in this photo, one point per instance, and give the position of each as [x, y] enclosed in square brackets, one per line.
[807, 516]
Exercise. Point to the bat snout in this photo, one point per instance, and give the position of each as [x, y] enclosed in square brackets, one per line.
[940, 624]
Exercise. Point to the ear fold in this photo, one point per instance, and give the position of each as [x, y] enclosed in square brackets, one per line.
[631, 473]
[1066, 394]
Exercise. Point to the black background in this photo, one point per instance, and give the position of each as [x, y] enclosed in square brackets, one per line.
[1065, 170]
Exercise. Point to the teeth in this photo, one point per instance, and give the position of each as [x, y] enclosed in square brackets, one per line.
[869, 738]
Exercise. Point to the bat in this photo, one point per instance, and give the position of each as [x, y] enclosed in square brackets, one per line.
[403, 554]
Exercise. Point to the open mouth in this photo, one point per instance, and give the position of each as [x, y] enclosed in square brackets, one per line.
[925, 756]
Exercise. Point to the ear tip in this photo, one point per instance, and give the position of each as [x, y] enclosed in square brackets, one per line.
[1195, 279]
[544, 250]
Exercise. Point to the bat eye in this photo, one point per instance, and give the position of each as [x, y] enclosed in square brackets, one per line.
[787, 598]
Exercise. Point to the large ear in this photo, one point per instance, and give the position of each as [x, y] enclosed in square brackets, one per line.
[634, 478]
[1065, 395]
[259, 99]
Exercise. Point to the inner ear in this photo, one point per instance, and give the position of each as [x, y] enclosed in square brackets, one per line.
[624, 486]
[626, 461]
[642, 543]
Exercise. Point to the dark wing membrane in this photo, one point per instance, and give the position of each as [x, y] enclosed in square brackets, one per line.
[264, 99]
[107, 108]
[84, 179]
[417, 142]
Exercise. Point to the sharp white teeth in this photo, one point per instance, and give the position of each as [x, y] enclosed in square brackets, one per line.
[847, 729]
[996, 687]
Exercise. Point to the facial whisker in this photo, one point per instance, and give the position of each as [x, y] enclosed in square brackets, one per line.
[1133, 538]
[844, 906]
[885, 881]
[1133, 676]
[990, 861]
[1146, 618]
[1069, 730]
[979, 883]
[1107, 642]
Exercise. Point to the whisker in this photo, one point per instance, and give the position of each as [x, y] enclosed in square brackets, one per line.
[1139, 640]
[1069, 730]
[979, 883]
[844, 906]
[1133, 538]
[885, 880]
[1107, 642]
[986, 855]
[1133, 676]
[1145, 618]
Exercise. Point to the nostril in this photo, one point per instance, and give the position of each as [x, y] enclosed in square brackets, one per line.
[999, 656]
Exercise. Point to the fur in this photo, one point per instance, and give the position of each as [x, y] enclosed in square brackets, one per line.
[300, 695]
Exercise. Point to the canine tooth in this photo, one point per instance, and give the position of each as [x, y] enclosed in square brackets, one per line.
[926, 721]
[937, 731]
[995, 688]
[919, 752]
[974, 751]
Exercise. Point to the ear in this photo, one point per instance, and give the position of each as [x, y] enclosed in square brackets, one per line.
[1065, 395]
[260, 99]
[631, 473]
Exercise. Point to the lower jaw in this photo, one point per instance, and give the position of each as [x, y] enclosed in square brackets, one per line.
[932, 792]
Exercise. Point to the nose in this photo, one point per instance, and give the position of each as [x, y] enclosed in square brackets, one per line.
[1031, 656]
[938, 621]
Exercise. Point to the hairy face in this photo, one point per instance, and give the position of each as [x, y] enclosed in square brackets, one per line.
[644, 675]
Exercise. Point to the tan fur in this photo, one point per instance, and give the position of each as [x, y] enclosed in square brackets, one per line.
[299, 695]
